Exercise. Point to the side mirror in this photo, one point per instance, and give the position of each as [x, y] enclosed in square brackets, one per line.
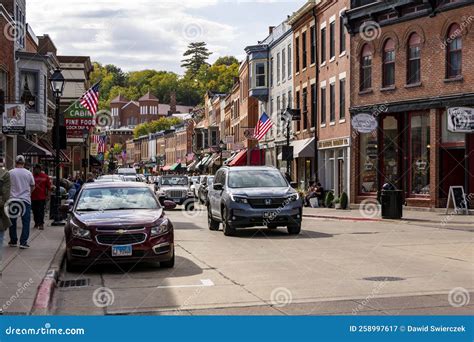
[169, 205]
[294, 185]
[218, 186]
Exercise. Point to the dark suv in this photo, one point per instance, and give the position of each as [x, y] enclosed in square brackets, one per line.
[250, 196]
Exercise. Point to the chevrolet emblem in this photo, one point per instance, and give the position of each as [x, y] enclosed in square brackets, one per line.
[121, 231]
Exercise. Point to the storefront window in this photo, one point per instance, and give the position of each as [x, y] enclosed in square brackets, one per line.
[420, 154]
[390, 150]
[368, 163]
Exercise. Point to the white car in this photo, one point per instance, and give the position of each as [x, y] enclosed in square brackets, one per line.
[195, 184]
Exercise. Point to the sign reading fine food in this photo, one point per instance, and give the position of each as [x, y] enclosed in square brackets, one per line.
[364, 123]
[461, 120]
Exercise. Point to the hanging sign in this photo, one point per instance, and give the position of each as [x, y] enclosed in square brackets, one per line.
[460, 120]
[364, 123]
[14, 119]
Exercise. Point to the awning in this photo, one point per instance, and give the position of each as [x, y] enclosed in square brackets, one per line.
[240, 159]
[166, 167]
[257, 158]
[93, 161]
[190, 157]
[202, 162]
[192, 166]
[63, 157]
[232, 156]
[28, 148]
[302, 149]
[175, 166]
[214, 158]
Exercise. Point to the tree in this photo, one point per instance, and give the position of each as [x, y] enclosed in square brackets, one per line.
[195, 57]
[156, 126]
[226, 60]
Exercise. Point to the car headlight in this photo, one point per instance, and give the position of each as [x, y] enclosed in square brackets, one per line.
[190, 193]
[294, 197]
[238, 199]
[80, 232]
[163, 228]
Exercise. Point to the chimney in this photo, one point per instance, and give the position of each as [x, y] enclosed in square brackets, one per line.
[270, 29]
[172, 102]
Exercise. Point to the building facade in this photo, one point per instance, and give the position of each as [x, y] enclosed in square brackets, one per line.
[408, 78]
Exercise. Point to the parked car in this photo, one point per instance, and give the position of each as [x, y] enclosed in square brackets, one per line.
[141, 178]
[110, 178]
[197, 185]
[174, 188]
[126, 171]
[118, 222]
[250, 196]
[203, 189]
[131, 178]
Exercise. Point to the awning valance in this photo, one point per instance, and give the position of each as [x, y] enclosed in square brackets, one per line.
[304, 148]
[28, 148]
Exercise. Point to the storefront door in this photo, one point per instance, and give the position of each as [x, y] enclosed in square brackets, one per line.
[391, 146]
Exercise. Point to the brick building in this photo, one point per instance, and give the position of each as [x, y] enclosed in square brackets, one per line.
[408, 72]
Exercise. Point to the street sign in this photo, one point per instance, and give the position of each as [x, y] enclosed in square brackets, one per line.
[14, 119]
[460, 120]
[364, 123]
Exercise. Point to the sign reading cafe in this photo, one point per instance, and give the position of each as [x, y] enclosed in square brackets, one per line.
[364, 123]
[461, 120]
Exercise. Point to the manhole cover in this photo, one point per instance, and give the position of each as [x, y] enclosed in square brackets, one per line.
[74, 283]
[384, 279]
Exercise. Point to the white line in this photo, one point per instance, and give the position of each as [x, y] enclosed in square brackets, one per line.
[204, 283]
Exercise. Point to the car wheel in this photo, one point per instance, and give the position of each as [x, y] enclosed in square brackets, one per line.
[226, 227]
[168, 264]
[294, 229]
[213, 224]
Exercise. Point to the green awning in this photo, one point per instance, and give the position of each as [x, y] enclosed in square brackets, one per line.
[175, 166]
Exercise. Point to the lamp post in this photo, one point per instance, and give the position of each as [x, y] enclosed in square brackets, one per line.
[57, 86]
[222, 146]
[85, 136]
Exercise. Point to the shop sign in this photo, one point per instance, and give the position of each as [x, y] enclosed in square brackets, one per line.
[229, 139]
[460, 120]
[14, 119]
[94, 150]
[364, 123]
[77, 118]
[334, 143]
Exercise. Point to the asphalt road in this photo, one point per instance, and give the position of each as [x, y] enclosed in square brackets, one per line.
[332, 267]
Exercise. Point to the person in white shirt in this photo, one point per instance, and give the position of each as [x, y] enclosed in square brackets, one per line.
[19, 205]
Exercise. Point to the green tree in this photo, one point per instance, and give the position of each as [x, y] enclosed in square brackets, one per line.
[226, 60]
[195, 56]
[155, 126]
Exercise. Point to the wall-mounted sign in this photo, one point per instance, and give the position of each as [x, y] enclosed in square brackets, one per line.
[460, 120]
[364, 123]
[249, 133]
[76, 119]
[333, 143]
[14, 119]
[229, 139]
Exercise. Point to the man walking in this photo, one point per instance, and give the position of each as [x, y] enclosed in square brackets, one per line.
[22, 183]
[39, 196]
[4, 197]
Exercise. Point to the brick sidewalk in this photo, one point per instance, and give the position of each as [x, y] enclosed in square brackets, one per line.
[23, 270]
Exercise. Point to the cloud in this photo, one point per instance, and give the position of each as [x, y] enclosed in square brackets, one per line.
[149, 34]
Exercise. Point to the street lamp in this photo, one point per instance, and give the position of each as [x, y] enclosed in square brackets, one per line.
[57, 86]
[222, 146]
[85, 136]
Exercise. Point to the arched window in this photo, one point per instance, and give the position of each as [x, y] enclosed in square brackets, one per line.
[388, 64]
[414, 59]
[454, 52]
[366, 68]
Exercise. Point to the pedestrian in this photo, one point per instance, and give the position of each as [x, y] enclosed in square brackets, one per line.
[22, 183]
[5, 222]
[90, 178]
[39, 196]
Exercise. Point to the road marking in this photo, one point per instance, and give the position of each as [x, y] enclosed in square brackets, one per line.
[204, 283]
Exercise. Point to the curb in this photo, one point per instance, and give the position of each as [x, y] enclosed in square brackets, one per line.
[346, 218]
[44, 294]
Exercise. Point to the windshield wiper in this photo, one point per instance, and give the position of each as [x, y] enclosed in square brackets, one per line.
[88, 209]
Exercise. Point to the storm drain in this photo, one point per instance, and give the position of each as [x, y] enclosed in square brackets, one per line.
[384, 279]
[74, 283]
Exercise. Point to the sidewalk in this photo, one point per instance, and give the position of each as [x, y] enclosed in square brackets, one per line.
[438, 217]
[24, 270]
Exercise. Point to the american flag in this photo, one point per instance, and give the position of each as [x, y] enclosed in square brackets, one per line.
[263, 126]
[100, 140]
[90, 100]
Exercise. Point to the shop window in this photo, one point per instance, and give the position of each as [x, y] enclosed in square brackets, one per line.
[414, 59]
[420, 153]
[389, 63]
[454, 52]
[29, 90]
[366, 68]
[368, 163]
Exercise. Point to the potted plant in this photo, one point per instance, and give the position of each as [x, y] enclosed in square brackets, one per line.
[344, 200]
[337, 203]
[328, 201]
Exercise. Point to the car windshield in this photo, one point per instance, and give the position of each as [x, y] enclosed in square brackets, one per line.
[116, 198]
[174, 181]
[256, 179]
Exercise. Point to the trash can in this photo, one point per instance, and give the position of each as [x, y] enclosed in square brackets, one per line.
[392, 204]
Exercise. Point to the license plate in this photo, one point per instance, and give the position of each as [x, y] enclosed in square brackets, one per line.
[120, 251]
[176, 200]
[267, 214]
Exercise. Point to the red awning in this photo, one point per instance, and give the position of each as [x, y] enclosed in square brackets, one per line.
[63, 157]
[166, 167]
[256, 158]
[240, 159]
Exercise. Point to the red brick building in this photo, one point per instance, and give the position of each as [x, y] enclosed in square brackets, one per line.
[411, 65]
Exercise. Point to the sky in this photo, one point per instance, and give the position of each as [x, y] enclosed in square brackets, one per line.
[147, 34]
